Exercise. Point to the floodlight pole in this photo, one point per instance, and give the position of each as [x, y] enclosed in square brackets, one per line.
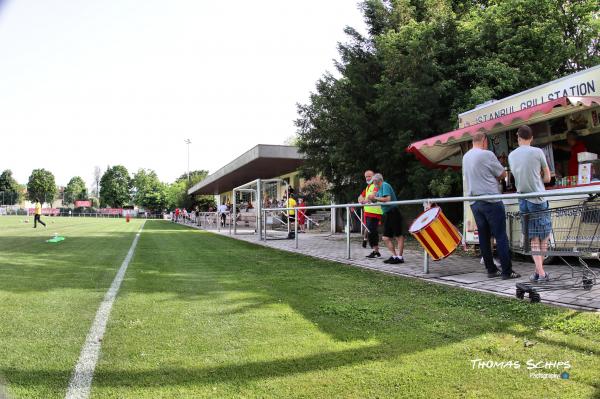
[188, 142]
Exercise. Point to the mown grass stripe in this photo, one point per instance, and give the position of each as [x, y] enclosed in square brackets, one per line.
[81, 381]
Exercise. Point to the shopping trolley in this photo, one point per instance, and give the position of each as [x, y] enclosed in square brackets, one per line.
[571, 231]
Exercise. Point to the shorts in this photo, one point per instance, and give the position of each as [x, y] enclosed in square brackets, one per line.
[539, 223]
[393, 223]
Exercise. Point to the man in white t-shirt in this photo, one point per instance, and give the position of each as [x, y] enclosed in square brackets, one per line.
[223, 211]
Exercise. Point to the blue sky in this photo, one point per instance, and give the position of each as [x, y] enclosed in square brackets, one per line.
[86, 83]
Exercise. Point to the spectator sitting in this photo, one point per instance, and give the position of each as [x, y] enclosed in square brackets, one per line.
[267, 202]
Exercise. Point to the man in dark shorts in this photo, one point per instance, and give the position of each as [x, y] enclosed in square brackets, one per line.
[530, 169]
[393, 225]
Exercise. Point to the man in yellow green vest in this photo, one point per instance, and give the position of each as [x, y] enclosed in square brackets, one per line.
[372, 215]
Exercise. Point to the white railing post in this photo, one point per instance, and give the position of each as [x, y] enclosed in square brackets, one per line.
[234, 210]
[348, 232]
[296, 226]
[258, 201]
[265, 224]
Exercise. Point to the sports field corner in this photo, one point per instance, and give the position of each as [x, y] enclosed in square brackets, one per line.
[201, 315]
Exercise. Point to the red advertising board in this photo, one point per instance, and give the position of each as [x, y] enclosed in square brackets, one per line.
[46, 211]
[110, 211]
[84, 204]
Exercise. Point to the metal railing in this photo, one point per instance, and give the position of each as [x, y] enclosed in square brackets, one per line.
[426, 202]
[24, 212]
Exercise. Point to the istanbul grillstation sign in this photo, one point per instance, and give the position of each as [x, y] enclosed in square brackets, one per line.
[584, 83]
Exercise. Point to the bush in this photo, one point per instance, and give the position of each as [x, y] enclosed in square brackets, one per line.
[316, 191]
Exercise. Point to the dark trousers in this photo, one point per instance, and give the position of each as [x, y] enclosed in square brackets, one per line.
[372, 224]
[223, 219]
[491, 222]
[37, 219]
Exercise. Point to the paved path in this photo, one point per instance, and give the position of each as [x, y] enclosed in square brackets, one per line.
[459, 271]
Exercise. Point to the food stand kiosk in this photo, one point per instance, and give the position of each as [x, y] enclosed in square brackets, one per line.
[569, 104]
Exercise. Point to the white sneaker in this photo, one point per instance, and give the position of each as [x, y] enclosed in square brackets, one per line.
[496, 261]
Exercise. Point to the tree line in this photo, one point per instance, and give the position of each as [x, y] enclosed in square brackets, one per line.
[420, 64]
[115, 188]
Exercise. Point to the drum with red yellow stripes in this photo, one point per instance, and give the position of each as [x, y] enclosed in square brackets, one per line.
[436, 234]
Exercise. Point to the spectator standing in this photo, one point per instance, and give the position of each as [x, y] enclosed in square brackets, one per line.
[301, 215]
[393, 225]
[290, 203]
[530, 169]
[482, 172]
[223, 210]
[372, 216]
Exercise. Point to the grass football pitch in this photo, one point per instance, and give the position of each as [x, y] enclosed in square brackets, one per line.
[200, 315]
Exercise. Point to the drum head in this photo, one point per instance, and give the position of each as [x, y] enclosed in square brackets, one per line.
[424, 219]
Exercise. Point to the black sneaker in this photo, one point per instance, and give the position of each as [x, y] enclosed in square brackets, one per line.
[395, 261]
[364, 244]
[400, 260]
[390, 260]
[374, 255]
[510, 276]
[495, 274]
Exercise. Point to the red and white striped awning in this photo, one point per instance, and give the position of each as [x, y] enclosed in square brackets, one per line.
[444, 150]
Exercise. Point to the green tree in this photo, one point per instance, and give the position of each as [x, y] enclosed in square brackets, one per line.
[9, 189]
[176, 195]
[420, 64]
[41, 186]
[178, 192]
[148, 191]
[75, 190]
[115, 187]
[195, 176]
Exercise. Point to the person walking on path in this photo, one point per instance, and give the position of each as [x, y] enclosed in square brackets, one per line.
[38, 214]
[223, 210]
[482, 172]
[372, 216]
[530, 169]
[393, 229]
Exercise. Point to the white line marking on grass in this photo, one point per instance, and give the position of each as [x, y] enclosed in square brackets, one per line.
[81, 381]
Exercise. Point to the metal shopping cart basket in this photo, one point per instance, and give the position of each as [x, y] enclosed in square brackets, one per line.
[571, 231]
